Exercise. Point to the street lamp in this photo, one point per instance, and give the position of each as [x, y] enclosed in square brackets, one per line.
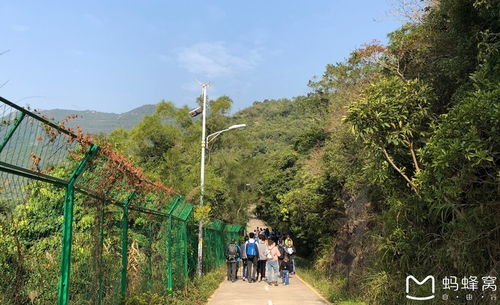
[204, 142]
[214, 135]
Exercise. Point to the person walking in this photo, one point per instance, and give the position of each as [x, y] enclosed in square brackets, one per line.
[290, 251]
[281, 249]
[252, 252]
[238, 259]
[272, 263]
[232, 254]
[244, 259]
[261, 264]
[285, 270]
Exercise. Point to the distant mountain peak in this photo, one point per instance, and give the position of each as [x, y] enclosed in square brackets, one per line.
[97, 122]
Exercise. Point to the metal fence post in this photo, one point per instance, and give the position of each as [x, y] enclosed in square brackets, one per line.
[7, 137]
[185, 238]
[169, 245]
[101, 259]
[123, 287]
[68, 227]
[150, 255]
[169, 254]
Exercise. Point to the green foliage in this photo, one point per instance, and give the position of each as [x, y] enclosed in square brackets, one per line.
[391, 112]
[333, 288]
[309, 138]
[196, 293]
[418, 146]
[202, 213]
[422, 114]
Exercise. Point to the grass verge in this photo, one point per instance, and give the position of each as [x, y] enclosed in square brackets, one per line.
[196, 292]
[330, 287]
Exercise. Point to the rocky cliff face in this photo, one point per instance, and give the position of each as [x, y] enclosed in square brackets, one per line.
[350, 245]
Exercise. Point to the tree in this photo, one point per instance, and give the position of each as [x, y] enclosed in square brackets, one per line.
[393, 116]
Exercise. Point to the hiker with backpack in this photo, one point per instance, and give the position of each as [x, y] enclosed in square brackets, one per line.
[252, 253]
[261, 264]
[232, 255]
[272, 263]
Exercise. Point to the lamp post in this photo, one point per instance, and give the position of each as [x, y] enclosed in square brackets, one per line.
[202, 175]
[204, 142]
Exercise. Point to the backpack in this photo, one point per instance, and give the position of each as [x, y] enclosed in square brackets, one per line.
[269, 256]
[232, 251]
[282, 252]
[251, 252]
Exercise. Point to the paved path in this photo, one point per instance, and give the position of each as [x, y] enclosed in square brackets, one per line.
[260, 293]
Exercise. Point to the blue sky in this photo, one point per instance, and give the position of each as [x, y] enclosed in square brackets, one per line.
[116, 55]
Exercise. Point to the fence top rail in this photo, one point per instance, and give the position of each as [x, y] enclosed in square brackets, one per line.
[60, 182]
[23, 141]
[233, 228]
[38, 117]
[215, 225]
[181, 212]
[119, 161]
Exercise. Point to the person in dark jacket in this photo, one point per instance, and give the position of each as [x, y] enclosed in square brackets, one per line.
[232, 255]
[285, 270]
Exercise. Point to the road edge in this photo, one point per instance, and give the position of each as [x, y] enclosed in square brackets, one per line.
[313, 290]
[214, 293]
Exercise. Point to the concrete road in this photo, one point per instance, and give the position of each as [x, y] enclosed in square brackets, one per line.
[260, 293]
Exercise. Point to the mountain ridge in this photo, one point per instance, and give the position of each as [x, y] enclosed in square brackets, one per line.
[97, 122]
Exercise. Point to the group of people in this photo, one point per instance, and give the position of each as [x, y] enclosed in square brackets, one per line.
[265, 256]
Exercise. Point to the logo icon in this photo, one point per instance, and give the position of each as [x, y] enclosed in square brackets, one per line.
[420, 283]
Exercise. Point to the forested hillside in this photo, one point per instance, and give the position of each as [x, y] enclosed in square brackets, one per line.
[391, 159]
[96, 122]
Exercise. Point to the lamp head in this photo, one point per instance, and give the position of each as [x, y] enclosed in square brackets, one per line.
[237, 126]
[195, 112]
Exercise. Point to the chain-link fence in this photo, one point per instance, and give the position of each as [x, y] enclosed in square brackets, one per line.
[121, 232]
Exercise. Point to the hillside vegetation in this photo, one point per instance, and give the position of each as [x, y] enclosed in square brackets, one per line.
[96, 122]
[390, 163]
[389, 167]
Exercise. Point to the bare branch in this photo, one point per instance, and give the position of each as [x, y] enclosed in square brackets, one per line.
[413, 155]
[391, 162]
[411, 11]
[3, 52]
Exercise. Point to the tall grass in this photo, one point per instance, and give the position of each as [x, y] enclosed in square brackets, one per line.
[331, 288]
[196, 292]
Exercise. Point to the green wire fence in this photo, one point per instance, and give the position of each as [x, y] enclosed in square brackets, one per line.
[76, 215]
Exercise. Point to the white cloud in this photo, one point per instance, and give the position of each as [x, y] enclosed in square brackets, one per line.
[216, 59]
[20, 28]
